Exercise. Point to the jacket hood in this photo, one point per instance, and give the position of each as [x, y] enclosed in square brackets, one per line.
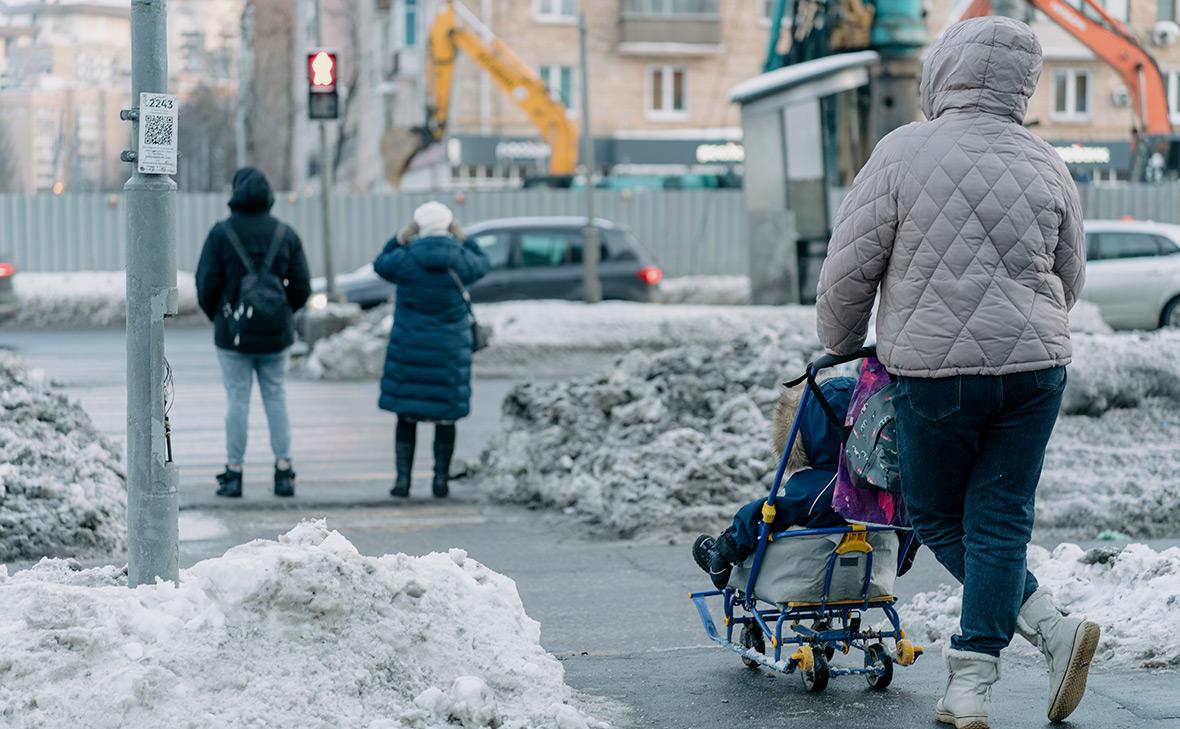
[822, 440]
[989, 65]
[252, 193]
[435, 252]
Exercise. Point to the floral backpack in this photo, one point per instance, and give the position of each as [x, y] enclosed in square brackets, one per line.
[868, 480]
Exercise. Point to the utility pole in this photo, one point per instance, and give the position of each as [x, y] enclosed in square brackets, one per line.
[591, 285]
[150, 196]
[325, 178]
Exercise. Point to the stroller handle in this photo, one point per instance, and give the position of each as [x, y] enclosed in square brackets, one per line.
[831, 360]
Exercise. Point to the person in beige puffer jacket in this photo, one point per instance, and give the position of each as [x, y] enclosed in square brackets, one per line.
[970, 228]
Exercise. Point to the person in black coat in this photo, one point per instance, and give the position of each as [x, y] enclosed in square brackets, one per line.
[264, 349]
[427, 374]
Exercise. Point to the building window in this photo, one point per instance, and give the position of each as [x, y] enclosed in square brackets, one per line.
[560, 82]
[1071, 95]
[1168, 10]
[666, 93]
[411, 21]
[557, 10]
[672, 7]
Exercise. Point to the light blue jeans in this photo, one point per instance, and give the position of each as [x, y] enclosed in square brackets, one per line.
[237, 374]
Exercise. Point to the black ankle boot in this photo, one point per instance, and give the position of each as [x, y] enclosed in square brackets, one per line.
[404, 453]
[229, 483]
[443, 451]
[284, 480]
[704, 552]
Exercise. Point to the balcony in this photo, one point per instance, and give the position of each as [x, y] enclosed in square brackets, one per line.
[670, 27]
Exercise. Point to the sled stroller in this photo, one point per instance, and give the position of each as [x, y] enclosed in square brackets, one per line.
[808, 593]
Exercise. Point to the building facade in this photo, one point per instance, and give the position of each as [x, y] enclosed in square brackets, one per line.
[660, 75]
[1081, 105]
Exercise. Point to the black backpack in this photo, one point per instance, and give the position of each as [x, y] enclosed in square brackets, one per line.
[261, 311]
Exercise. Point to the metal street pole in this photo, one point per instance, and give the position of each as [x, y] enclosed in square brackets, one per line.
[325, 179]
[591, 285]
[152, 477]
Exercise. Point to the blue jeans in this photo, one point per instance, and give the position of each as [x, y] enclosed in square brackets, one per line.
[971, 450]
[237, 374]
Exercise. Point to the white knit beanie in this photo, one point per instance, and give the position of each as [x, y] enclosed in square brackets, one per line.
[433, 218]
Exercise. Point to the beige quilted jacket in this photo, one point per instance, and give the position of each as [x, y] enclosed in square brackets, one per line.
[968, 224]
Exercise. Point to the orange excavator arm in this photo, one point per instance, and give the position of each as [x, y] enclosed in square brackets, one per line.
[520, 82]
[1111, 41]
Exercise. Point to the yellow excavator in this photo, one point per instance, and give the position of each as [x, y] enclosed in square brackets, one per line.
[456, 29]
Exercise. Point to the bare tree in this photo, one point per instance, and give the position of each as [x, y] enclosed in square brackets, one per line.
[207, 153]
[271, 119]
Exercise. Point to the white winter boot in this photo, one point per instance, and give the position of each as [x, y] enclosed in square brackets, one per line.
[968, 689]
[1068, 645]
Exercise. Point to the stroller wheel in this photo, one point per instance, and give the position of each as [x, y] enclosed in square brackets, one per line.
[752, 638]
[877, 657]
[815, 680]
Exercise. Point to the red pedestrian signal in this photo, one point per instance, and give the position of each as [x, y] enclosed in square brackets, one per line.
[322, 102]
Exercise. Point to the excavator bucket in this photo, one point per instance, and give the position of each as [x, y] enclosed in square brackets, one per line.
[399, 147]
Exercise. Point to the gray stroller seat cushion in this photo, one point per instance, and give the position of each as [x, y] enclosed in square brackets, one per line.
[793, 569]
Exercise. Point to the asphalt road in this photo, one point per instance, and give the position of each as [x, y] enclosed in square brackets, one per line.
[616, 613]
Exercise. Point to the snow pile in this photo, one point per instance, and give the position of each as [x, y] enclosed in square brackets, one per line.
[713, 290]
[666, 443]
[1133, 593]
[355, 353]
[62, 487]
[303, 631]
[1086, 318]
[543, 337]
[84, 299]
[1122, 370]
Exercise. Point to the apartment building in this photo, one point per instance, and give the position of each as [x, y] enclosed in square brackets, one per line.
[1081, 105]
[660, 75]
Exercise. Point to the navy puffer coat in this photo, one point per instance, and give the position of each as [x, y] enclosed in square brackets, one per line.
[427, 372]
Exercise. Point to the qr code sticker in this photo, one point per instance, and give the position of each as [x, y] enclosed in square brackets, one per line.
[157, 129]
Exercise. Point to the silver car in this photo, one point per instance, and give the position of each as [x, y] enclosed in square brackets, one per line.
[1133, 273]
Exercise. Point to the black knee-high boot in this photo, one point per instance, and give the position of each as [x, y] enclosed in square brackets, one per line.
[404, 441]
[444, 448]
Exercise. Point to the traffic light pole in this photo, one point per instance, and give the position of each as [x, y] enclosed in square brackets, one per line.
[152, 478]
[591, 285]
[325, 181]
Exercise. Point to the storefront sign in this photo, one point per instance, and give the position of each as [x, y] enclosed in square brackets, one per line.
[1077, 154]
[522, 150]
[730, 152]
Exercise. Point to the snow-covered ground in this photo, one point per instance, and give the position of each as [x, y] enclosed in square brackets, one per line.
[84, 299]
[546, 337]
[62, 487]
[303, 631]
[673, 442]
[1133, 593]
[727, 290]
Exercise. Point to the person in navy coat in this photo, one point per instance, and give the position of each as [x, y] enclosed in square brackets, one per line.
[427, 374]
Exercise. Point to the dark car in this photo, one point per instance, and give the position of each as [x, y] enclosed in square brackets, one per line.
[8, 300]
[532, 258]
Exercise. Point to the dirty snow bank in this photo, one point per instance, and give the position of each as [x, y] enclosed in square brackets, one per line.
[83, 299]
[62, 486]
[303, 631]
[679, 439]
[726, 290]
[1133, 593]
[1122, 370]
[666, 443]
[555, 337]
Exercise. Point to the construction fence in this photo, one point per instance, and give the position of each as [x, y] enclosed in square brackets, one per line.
[688, 232]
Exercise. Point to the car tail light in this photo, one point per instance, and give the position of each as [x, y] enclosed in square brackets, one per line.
[7, 270]
[651, 275]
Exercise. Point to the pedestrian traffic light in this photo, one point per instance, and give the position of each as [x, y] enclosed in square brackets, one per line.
[322, 102]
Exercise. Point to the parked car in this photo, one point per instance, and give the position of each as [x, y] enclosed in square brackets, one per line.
[1133, 272]
[532, 258]
[8, 300]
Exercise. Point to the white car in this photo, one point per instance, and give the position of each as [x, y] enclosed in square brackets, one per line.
[1133, 273]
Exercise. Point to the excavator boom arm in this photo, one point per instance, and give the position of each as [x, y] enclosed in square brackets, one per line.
[513, 76]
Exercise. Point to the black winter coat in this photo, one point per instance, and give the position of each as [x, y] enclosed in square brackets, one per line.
[220, 271]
